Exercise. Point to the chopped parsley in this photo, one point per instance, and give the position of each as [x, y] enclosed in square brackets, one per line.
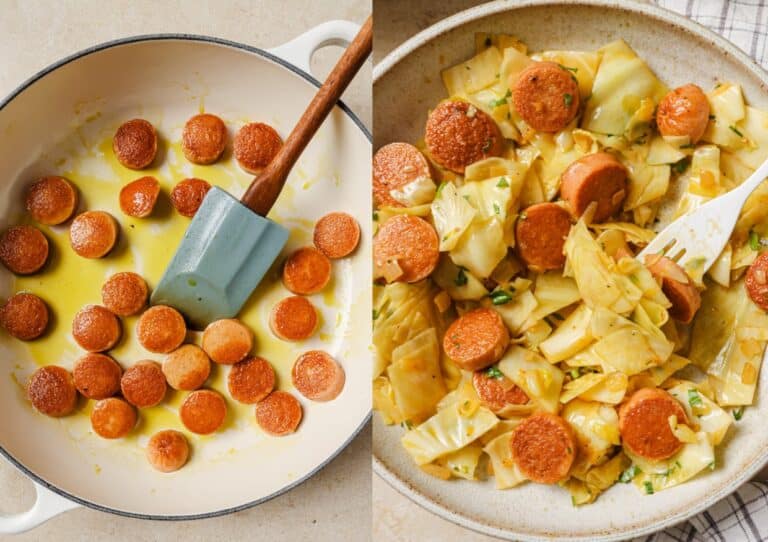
[754, 240]
[407, 424]
[735, 130]
[568, 99]
[461, 277]
[648, 488]
[500, 297]
[680, 166]
[440, 188]
[738, 413]
[496, 208]
[375, 216]
[375, 314]
[503, 183]
[575, 373]
[500, 101]
[712, 465]
[574, 70]
[493, 372]
[629, 474]
[694, 399]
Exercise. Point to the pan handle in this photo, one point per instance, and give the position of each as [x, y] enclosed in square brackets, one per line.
[299, 50]
[47, 505]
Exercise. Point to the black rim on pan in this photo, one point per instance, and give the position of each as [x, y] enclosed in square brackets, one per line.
[234, 45]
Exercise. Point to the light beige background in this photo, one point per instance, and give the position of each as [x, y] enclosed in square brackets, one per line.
[335, 504]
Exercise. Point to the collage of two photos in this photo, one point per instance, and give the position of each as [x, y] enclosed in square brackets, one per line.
[384, 270]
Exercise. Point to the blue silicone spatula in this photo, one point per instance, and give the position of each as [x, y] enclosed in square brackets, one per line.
[230, 244]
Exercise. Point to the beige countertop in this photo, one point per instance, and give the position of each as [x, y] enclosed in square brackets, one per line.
[335, 504]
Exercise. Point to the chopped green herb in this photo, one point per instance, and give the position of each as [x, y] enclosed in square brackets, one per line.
[375, 216]
[461, 277]
[694, 399]
[487, 145]
[503, 183]
[648, 488]
[500, 101]
[711, 465]
[493, 372]
[574, 70]
[568, 99]
[575, 373]
[496, 208]
[407, 424]
[629, 474]
[440, 188]
[688, 146]
[375, 314]
[680, 166]
[738, 413]
[466, 197]
[192, 282]
[754, 240]
[500, 297]
[735, 130]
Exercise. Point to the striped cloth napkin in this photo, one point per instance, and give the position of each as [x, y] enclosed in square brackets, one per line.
[742, 516]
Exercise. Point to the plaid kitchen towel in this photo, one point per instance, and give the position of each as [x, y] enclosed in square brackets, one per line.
[742, 516]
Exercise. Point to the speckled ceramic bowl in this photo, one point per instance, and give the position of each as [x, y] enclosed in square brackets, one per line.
[679, 51]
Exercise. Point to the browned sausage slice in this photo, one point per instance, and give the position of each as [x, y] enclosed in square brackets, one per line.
[96, 328]
[540, 232]
[51, 200]
[336, 235]
[756, 281]
[113, 418]
[138, 198]
[543, 448]
[97, 376]
[256, 144]
[394, 166]
[93, 234]
[125, 293]
[306, 271]
[293, 319]
[684, 111]
[161, 329]
[279, 414]
[644, 424]
[251, 380]
[546, 96]
[227, 341]
[458, 134]
[52, 391]
[167, 451]
[188, 195]
[476, 339]
[597, 177]
[318, 376]
[203, 139]
[24, 316]
[411, 243]
[23, 249]
[677, 286]
[497, 393]
[203, 412]
[135, 144]
[143, 385]
[187, 368]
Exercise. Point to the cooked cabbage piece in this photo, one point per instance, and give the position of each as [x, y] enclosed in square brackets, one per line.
[596, 428]
[702, 411]
[570, 337]
[582, 64]
[726, 106]
[538, 378]
[463, 463]
[654, 476]
[505, 471]
[451, 214]
[420, 191]
[460, 283]
[475, 74]
[481, 247]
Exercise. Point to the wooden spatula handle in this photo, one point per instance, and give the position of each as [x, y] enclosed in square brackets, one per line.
[266, 187]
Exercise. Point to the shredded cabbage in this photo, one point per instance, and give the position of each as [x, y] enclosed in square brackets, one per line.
[452, 215]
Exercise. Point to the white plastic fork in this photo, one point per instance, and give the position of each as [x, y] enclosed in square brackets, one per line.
[703, 234]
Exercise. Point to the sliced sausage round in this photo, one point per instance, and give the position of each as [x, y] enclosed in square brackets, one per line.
[684, 296]
[187, 368]
[161, 329]
[168, 450]
[255, 145]
[97, 376]
[546, 96]
[227, 341]
[293, 319]
[138, 198]
[756, 281]
[113, 418]
[51, 200]
[598, 177]
[93, 234]
[135, 144]
[143, 385]
[52, 391]
[125, 293]
[96, 328]
[23, 249]
[411, 243]
[24, 316]
[644, 424]
[203, 139]
[394, 166]
[458, 134]
[279, 414]
[188, 195]
[684, 111]
[203, 412]
[543, 448]
[476, 339]
[317, 376]
[336, 235]
[251, 380]
[306, 271]
[540, 233]
[497, 393]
